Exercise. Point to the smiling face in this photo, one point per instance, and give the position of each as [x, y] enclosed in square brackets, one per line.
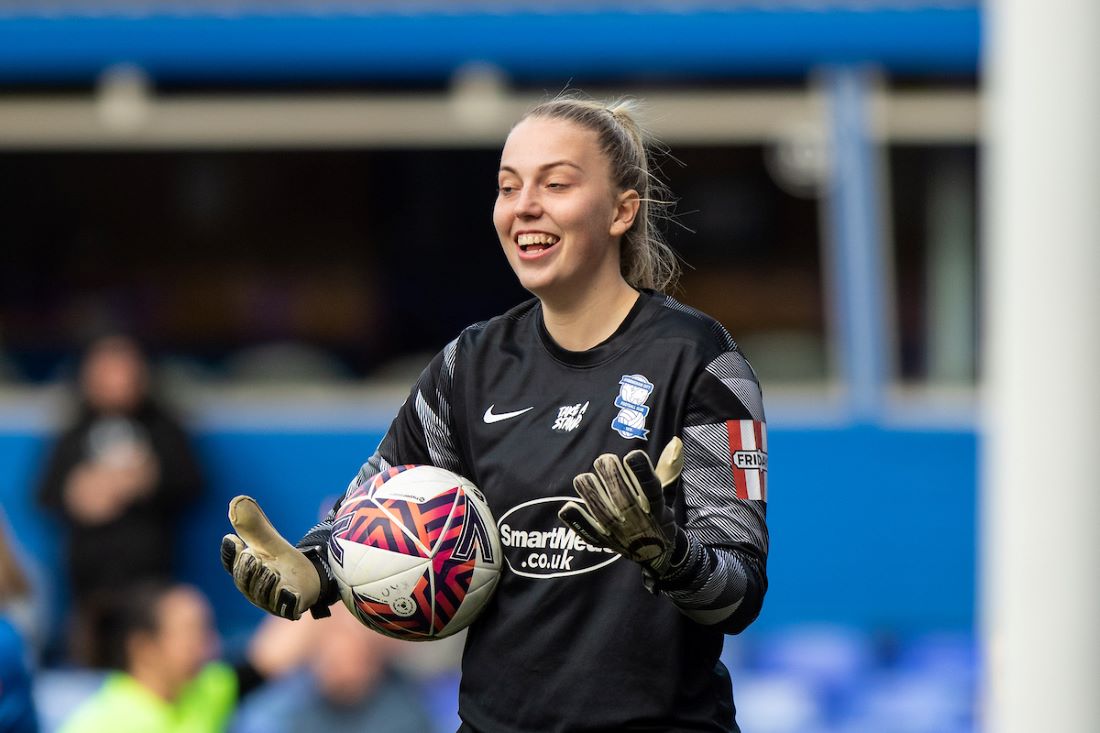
[558, 214]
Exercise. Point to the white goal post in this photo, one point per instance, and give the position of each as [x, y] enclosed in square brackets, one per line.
[1040, 508]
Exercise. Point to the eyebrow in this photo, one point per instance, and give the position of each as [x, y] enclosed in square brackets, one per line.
[545, 166]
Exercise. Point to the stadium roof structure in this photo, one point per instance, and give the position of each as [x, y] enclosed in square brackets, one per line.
[273, 41]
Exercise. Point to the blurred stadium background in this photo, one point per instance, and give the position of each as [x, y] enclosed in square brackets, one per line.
[289, 204]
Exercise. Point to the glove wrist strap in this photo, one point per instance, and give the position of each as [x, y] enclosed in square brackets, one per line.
[329, 592]
[680, 552]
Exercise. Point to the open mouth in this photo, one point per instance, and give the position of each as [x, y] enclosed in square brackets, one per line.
[535, 243]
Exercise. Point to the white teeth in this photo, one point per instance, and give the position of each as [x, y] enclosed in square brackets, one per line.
[526, 240]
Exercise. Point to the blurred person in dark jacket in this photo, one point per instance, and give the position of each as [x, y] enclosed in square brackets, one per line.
[118, 476]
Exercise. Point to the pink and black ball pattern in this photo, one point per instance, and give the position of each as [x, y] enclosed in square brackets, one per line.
[436, 530]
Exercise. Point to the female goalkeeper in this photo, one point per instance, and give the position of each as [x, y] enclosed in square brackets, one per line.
[579, 391]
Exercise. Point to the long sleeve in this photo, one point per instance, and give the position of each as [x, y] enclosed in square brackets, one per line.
[64, 455]
[722, 578]
[421, 433]
[180, 481]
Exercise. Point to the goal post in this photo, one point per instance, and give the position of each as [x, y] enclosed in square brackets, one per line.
[1040, 533]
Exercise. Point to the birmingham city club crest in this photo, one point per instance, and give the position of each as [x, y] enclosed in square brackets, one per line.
[634, 390]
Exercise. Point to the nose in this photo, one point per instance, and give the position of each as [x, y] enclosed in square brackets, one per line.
[528, 205]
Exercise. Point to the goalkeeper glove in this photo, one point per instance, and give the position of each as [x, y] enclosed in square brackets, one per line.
[624, 507]
[271, 573]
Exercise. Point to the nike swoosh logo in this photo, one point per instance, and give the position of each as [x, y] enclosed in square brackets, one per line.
[490, 417]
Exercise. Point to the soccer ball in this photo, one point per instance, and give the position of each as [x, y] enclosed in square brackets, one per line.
[415, 552]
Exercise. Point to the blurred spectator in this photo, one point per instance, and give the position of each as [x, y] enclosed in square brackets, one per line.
[16, 602]
[17, 714]
[160, 642]
[118, 477]
[348, 685]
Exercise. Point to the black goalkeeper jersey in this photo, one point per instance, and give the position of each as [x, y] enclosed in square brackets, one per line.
[572, 640]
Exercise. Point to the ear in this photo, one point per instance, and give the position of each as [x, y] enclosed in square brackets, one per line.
[627, 205]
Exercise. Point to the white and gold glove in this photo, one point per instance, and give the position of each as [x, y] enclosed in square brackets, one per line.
[270, 572]
[624, 507]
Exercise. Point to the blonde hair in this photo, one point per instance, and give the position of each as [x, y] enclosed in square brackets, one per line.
[646, 259]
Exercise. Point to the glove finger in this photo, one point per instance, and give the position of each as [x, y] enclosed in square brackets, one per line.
[261, 587]
[622, 488]
[591, 489]
[577, 518]
[286, 605]
[231, 547]
[244, 572]
[268, 593]
[249, 574]
[254, 528]
[644, 477]
[671, 462]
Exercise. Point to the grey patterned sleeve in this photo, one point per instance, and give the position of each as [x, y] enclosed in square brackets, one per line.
[721, 579]
[422, 432]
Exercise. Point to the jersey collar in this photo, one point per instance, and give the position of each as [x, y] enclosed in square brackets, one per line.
[603, 351]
